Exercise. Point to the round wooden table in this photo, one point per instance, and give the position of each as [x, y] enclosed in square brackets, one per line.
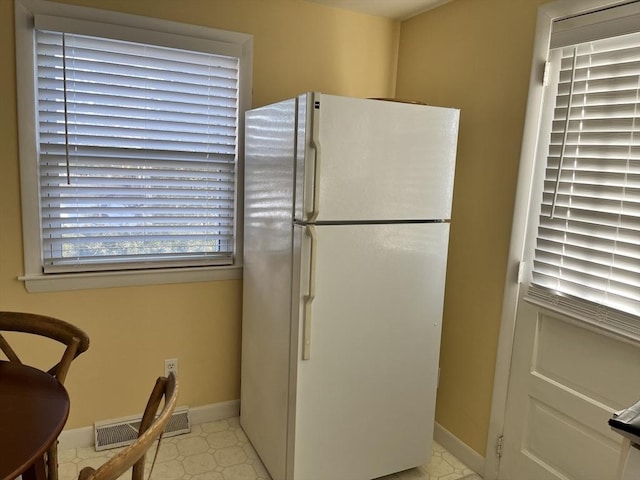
[34, 407]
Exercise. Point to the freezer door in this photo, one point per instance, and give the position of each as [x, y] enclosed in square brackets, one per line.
[365, 397]
[364, 159]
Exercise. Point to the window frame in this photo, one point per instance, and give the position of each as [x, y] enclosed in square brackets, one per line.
[600, 313]
[613, 321]
[150, 30]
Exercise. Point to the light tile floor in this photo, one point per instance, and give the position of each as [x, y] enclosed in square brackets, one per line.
[221, 451]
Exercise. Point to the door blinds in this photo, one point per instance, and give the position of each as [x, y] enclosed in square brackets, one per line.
[137, 155]
[587, 254]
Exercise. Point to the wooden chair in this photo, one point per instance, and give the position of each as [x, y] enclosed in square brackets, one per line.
[75, 340]
[151, 427]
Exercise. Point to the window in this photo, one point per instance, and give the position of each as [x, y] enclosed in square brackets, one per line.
[587, 252]
[133, 140]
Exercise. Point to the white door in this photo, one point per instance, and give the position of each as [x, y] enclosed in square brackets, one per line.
[374, 160]
[575, 356]
[566, 380]
[365, 396]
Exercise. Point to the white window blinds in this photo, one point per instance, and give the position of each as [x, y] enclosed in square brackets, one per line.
[587, 255]
[137, 154]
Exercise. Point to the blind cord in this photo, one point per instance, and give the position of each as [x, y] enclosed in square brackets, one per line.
[66, 110]
[566, 134]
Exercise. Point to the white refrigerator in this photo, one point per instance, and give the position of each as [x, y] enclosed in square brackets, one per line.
[347, 208]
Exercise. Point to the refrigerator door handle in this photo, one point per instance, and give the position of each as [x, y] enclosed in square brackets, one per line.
[315, 144]
[310, 230]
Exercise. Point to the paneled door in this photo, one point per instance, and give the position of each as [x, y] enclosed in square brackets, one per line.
[566, 380]
[572, 318]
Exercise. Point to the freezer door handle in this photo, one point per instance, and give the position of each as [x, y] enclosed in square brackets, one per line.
[315, 144]
[308, 299]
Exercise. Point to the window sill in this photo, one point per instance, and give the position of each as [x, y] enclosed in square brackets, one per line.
[83, 281]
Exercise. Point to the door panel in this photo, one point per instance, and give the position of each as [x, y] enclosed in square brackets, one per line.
[566, 380]
[566, 375]
[377, 160]
[366, 397]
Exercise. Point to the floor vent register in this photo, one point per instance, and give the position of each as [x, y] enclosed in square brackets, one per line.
[123, 431]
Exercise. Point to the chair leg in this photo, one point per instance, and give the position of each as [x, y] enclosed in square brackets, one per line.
[52, 461]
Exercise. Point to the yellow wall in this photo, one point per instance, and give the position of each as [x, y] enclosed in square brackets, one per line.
[474, 55]
[298, 46]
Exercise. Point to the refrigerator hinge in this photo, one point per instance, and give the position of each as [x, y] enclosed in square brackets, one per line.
[499, 444]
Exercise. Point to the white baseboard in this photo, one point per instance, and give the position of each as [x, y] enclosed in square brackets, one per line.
[214, 411]
[83, 436]
[76, 438]
[459, 449]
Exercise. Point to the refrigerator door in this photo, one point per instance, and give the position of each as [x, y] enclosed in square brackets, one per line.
[365, 397]
[365, 160]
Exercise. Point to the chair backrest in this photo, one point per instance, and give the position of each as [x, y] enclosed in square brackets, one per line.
[151, 427]
[75, 340]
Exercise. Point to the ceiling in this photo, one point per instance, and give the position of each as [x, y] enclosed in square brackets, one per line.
[394, 9]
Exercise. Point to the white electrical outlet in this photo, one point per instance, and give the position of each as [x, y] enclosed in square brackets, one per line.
[171, 365]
